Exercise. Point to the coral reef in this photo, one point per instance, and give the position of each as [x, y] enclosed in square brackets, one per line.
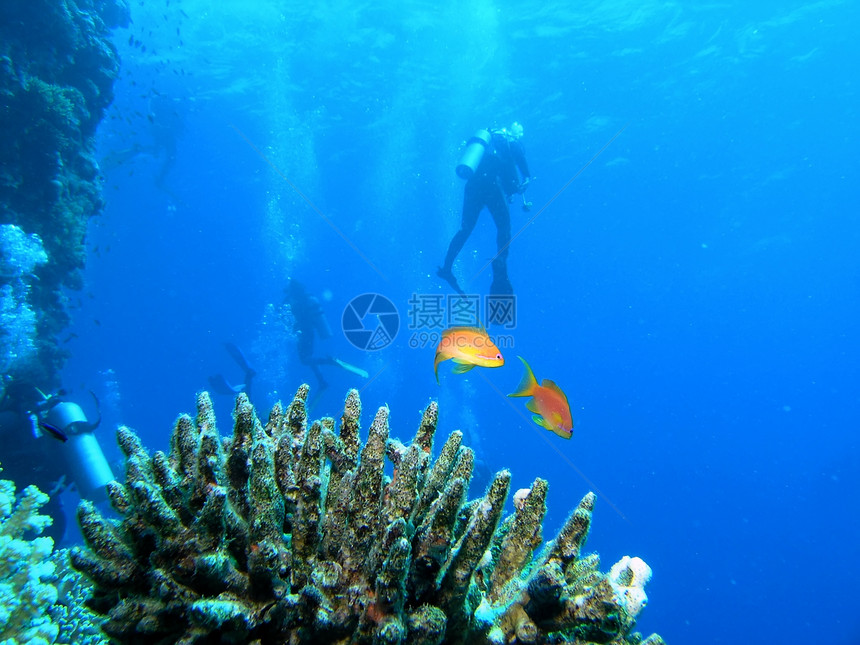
[57, 68]
[291, 532]
[76, 623]
[628, 578]
[42, 599]
[20, 255]
[25, 568]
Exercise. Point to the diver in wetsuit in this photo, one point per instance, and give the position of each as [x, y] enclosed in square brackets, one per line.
[49, 442]
[490, 165]
[309, 321]
[167, 125]
[29, 456]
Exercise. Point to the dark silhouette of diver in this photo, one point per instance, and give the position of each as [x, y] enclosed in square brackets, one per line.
[309, 320]
[167, 126]
[48, 442]
[489, 165]
[221, 385]
[29, 456]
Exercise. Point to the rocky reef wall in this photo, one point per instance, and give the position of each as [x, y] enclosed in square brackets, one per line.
[57, 69]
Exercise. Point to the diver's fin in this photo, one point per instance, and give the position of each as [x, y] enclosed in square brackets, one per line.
[448, 277]
[352, 368]
[237, 355]
[220, 385]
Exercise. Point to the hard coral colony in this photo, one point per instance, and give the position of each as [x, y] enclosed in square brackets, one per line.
[293, 533]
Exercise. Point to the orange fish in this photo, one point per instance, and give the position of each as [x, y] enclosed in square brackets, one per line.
[549, 403]
[468, 347]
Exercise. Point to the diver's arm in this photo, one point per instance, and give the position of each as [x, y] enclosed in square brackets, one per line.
[519, 154]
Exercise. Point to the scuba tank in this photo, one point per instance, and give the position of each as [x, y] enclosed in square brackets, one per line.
[84, 457]
[88, 467]
[473, 153]
[64, 414]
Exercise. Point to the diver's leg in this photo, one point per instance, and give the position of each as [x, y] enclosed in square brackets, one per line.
[323, 384]
[249, 377]
[502, 217]
[305, 346]
[472, 204]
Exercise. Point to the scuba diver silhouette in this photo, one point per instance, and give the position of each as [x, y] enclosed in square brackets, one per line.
[166, 125]
[489, 165]
[309, 321]
[49, 442]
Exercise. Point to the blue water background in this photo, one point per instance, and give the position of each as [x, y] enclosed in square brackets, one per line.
[694, 290]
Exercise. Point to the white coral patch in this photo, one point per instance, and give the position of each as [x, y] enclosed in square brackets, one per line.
[487, 614]
[520, 498]
[486, 559]
[628, 578]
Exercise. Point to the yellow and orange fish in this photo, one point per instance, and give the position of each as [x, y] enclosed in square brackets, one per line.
[468, 347]
[549, 403]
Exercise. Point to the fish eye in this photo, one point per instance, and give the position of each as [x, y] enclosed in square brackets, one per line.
[498, 357]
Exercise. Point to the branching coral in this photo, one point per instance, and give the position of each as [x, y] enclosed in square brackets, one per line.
[77, 625]
[25, 589]
[292, 533]
[41, 597]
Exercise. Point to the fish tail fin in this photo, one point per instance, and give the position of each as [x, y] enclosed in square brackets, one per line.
[440, 356]
[529, 382]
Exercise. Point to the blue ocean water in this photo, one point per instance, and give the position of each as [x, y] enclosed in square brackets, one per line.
[693, 289]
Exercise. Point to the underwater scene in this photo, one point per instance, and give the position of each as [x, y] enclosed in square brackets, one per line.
[423, 323]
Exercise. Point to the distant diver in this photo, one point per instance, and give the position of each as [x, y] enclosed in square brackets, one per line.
[166, 125]
[489, 165]
[221, 385]
[310, 321]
